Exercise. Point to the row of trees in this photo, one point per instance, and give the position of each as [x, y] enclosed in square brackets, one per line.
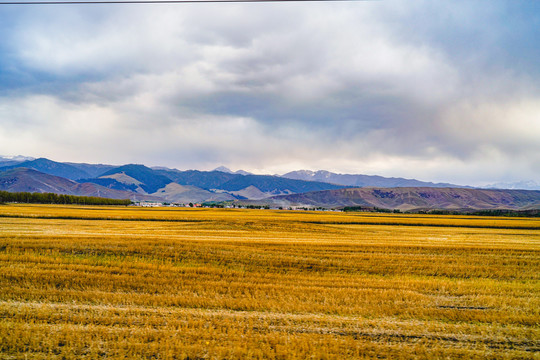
[490, 212]
[51, 198]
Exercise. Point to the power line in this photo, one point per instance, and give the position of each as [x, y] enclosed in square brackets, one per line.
[89, 2]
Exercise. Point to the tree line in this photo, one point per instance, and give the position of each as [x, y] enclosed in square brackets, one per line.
[487, 212]
[51, 198]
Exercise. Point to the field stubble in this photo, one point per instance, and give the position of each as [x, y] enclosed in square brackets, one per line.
[105, 282]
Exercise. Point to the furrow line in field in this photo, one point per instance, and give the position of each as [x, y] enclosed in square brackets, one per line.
[472, 226]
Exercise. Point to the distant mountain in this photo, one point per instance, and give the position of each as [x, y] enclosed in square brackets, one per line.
[52, 168]
[227, 170]
[224, 169]
[242, 172]
[416, 198]
[93, 170]
[13, 160]
[274, 185]
[17, 158]
[523, 185]
[5, 163]
[176, 193]
[203, 179]
[361, 180]
[147, 179]
[30, 180]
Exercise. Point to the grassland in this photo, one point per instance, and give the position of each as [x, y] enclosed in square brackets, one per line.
[104, 282]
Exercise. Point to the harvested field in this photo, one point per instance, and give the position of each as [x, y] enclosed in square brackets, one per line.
[177, 283]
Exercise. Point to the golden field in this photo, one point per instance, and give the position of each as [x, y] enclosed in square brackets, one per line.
[175, 283]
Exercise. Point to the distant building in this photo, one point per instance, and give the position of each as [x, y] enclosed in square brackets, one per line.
[149, 204]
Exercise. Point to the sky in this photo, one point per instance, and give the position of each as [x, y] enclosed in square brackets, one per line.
[434, 90]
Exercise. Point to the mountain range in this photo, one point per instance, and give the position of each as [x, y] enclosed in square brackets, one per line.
[361, 180]
[303, 187]
[415, 198]
[135, 181]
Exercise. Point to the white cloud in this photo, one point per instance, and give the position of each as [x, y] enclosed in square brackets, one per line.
[349, 87]
[510, 127]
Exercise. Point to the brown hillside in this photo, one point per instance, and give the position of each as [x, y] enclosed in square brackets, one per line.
[29, 180]
[412, 198]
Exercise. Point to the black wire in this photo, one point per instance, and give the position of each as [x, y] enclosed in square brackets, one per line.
[159, 2]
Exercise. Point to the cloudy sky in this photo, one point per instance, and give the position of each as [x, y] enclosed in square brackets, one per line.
[434, 90]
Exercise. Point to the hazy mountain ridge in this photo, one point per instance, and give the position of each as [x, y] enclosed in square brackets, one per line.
[93, 170]
[518, 185]
[19, 158]
[6, 163]
[361, 180]
[6, 160]
[227, 170]
[52, 168]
